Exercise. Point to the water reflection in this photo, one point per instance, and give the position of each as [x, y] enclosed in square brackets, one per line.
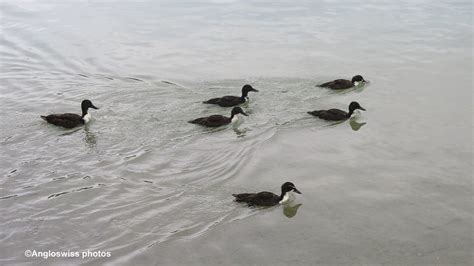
[290, 210]
[70, 131]
[352, 122]
[240, 132]
[90, 138]
[357, 89]
[355, 125]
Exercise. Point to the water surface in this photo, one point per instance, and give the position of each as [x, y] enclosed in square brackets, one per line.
[392, 186]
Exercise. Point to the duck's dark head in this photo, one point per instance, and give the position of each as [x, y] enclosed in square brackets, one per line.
[357, 79]
[85, 105]
[354, 106]
[287, 187]
[237, 110]
[246, 89]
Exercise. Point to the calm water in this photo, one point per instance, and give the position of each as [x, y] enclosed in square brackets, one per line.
[393, 186]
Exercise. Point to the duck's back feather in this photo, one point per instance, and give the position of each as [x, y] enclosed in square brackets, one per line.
[66, 120]
[337, 112]
[338, 84]
[226, 101]
[331, 114]
[243, 197]
[258, 199]
[211, 121]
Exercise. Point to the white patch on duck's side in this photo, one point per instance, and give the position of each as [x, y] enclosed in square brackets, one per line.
[356, 83]
[87, 118]
[355, 113]
[289, 197]
[247, 99]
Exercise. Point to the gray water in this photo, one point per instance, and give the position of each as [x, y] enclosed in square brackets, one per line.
[392, 186]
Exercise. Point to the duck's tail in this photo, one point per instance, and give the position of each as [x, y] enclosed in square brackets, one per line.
[238, 198]
[324, 85]
[212, 101]
[315, 113]
[43, 117]
[241, 197]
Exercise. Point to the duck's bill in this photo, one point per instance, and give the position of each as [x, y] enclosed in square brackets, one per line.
[94, 107]
[254, 90]
[361, 108]
[245, 114]
[296, 191]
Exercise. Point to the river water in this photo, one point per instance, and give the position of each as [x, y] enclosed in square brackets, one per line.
[392, 186]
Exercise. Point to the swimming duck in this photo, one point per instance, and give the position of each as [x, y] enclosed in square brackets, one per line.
[337, 114]
[219, 120]
[268, 198]
[229, 101]
[69, 120]
[341, 84]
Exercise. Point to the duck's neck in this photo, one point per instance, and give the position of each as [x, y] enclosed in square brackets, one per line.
[233, 118]
[283, 193]
[84, 112]
[284, 197]
[244, 94]
[351, 111]
[86, 116]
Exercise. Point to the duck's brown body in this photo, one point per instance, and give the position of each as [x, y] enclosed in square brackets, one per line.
[264, 198]
[218, 120]
[212, 121]
[67, 120]
[229, 101]
[342, 84]
[331, 114]
[337, 114]
[338, 84]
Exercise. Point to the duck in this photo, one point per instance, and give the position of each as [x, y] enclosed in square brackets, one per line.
[337, 114]
[68, 120]
[341, 84]
[219, 120]
[229, 101]
[266, 198]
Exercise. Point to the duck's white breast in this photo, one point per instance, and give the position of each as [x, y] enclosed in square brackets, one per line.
[235, 119]
[287, 198]
[87, 118]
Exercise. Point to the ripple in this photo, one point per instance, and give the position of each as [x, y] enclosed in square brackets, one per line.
[8, 197]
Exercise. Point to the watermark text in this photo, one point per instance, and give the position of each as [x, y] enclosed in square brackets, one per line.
[46, 254]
